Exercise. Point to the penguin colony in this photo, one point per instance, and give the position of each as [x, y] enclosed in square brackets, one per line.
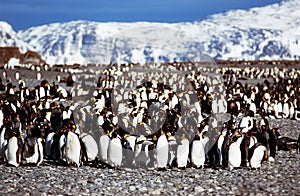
[163, 120]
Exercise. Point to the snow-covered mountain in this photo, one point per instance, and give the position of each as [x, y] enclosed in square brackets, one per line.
[8, 37]
[270, 32]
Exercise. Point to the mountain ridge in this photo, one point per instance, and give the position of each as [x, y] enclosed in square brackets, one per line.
[264, 33]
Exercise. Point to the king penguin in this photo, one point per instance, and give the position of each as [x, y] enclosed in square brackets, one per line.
[257, 154]
[198, 151]
[115, 151]
[142, 154]
[182, 152]
[103, 147]
[90, 146]
[73, 149]
[221, 141]
[13, 151]
[48, 144]
[162, 151]
[234, 152]
[129, 148]
[62, 147]
[3, 141]
[33, 151]
[172, 150]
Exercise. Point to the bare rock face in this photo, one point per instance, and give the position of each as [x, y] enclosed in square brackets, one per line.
[29, 57]
[6, 53]
[32, 58]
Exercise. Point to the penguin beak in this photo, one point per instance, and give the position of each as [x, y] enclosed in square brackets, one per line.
[239, 135]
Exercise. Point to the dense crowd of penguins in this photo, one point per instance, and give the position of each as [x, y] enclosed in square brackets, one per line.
[159, 117]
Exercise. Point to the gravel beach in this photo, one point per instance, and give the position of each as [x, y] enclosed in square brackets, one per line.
[279, 178]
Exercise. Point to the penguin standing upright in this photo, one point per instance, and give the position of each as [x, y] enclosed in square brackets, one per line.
[285, 109]
[129, 148]
[3, 141]
[221, 141]
[48, 145]
[13, 150]
[142, 157]
[73, 149]
[234, 152]
[61, 153]
[182, 152]
[225, 149]
[115, 151]
[198, 151]
[245, 149]
[90, 147]
[162, 151]
[172, 150]
[272, 143]
[38, 76]
[103, 147]
[17, 75]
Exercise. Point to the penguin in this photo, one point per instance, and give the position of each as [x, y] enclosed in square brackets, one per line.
[214, 106]
[162, 151]
[225, 149]
[90, 147]
[220, 142]
[33, 152]
[38, 76]
[234, 152]
[103, 148]
[277, 109]
[286, 110]
[246, 123]
[257, 154]
[1, 117]
[272, 141]
[115, 151]
[13, 151]
[48, 145]
[73, 149]
[292, 110]
[172, 150]
[17, 75]
[58, 78]
[3, 141]
[198, 151]
[297, 114]
[222, 105]
[142, 154]
[129, 148]
[286, 143]
[182, 153]
[62, 148]
[245, 150]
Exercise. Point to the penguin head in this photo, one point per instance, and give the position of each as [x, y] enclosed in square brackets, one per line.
[236, 135]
